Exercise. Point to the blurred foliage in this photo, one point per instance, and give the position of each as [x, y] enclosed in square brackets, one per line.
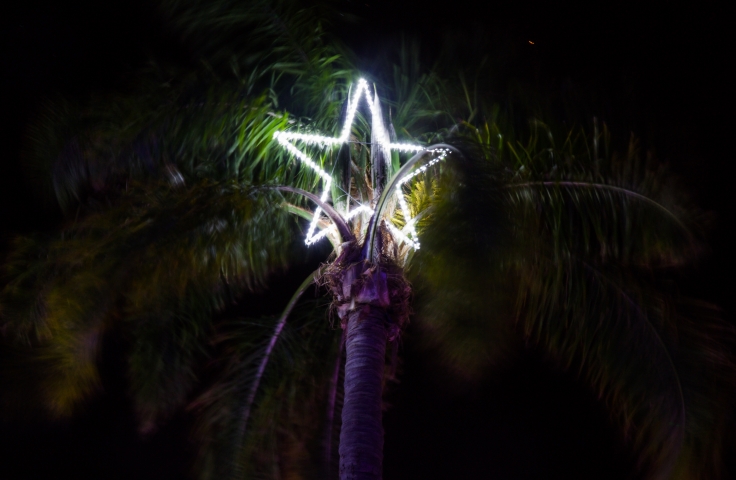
[290, 408]
[587, 242]
[172, 223]
[146, 260]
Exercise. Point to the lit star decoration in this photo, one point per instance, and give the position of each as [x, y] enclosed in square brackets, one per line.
[408, 234]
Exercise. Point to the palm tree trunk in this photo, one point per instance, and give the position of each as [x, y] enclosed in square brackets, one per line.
[361, 437]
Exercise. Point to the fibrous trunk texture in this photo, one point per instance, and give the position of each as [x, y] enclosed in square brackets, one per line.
[361, 438]
[372, 301]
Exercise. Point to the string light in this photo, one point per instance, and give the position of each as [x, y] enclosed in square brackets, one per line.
[401, 236]
[322, 233]
[408, 234]
[360, 209]
[409, 227]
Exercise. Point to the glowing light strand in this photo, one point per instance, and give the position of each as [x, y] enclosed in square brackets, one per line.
[322, 233]
[326, 182]
[345, 134]
[408, 234]
[409, 227]
[360, 209]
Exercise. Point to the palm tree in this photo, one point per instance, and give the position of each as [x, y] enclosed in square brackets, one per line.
[181, 204]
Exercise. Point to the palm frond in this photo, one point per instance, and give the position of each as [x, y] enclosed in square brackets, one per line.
[272, 374]
[159, 250]
[580, 237]
[663, 366]
[458, 275]
[168, 349]
[170, 132]
[593, 201]
[705, 361]
[243, 415]
[602, 228]
[283, 45]
[56, 325]
[600, 323]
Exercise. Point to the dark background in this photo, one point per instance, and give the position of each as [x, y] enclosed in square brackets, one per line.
[658, 70]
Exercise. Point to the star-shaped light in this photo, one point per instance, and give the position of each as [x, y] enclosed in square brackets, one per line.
[408, 234]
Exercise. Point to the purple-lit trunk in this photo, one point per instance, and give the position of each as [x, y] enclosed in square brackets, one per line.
[361, 437]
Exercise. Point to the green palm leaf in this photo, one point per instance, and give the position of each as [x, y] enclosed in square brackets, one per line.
[161, 253]
[262, 416]
[586, 243]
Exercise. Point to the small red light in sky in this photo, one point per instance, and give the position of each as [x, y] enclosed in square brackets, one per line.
[532, 43]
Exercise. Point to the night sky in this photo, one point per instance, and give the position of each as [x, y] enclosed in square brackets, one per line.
[659, 71]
